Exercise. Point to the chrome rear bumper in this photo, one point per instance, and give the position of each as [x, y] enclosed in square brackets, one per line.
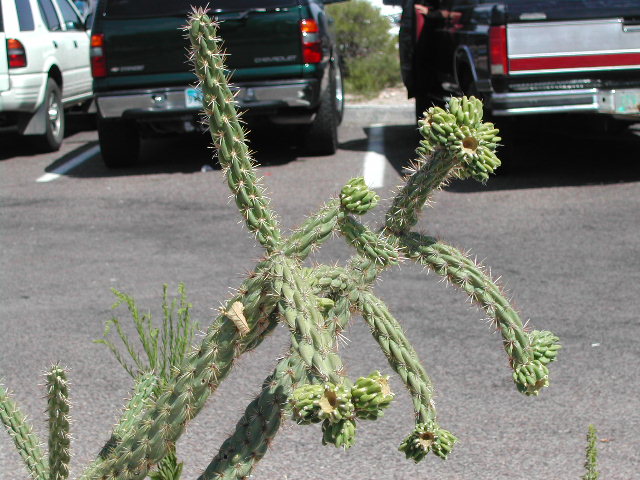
[164, 102]
[624, 103]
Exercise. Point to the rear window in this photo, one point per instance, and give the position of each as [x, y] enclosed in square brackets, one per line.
[160, 8]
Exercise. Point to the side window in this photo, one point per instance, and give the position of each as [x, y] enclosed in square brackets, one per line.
[25, 16]
[71, 19]
[49, 15]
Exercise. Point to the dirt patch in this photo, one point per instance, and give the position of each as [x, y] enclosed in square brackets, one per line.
[388, 96]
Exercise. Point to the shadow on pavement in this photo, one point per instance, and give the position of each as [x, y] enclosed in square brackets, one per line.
[186, 154]
[533, 157]
[14, 145]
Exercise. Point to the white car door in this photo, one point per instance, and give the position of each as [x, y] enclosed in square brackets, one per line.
[76, 63]
[4, 67]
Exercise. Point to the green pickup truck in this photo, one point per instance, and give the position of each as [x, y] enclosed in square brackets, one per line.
[282, 60]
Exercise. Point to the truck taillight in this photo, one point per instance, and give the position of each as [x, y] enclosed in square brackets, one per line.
[311, 42]
[498, 59]
[98, 58]
[16, 54]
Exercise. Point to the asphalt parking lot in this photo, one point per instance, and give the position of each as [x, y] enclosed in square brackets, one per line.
[559, 227]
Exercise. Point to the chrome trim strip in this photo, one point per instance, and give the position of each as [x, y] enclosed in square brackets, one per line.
[577, 100]
[515, 73]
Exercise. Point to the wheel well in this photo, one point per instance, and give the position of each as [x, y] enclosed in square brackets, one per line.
[56, 74]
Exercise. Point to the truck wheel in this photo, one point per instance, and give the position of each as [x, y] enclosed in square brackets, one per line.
[53, 117]
[321, 137]
[119, 142]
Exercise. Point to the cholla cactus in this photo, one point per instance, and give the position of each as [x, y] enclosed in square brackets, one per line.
[315, 304]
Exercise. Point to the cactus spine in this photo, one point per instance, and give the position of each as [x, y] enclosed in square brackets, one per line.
[314, 303]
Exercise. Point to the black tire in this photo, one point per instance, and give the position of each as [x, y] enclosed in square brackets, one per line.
[52, 111]
[119, 142]
[321, 136]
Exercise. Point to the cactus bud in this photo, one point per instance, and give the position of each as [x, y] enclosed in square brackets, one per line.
[314, 403]
[370, 395]
[545, 346]
[428, 437]
[341, 434]
[531, 378]
[357, 198]
[335, 403]
[304, 403]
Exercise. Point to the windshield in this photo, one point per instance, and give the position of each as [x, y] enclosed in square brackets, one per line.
[160, 8]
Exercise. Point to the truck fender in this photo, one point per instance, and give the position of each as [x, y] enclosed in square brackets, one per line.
[463, 64]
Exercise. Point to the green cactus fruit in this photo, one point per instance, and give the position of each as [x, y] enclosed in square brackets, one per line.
[357, 198]
[370, 395]
[461, 132]
[304, 403]
[428, 437]
[341, 434]
[531, 378]
[335, 403]
[314, 403]
[545, 346]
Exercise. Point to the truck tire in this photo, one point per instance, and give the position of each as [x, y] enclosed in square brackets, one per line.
[119, 142]
[52, 111]
[321, 137]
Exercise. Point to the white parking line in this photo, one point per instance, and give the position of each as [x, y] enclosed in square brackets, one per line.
[70, 165]
[375, 161]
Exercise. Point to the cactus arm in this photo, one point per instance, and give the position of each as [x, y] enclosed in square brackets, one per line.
[310, 339]
[314, 231]
[143, 390]
[259, 424]
[376, 247]
[58, 410]
[27, 443]
[400, 353]
[427, 435]
[455, 143]
[184, 394]
[426, 176]
[227, 133]
[529, 366]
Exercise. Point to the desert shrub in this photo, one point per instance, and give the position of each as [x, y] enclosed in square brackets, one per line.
[368, 50]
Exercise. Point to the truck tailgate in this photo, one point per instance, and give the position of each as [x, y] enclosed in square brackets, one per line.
[573, 46]
[263, 38]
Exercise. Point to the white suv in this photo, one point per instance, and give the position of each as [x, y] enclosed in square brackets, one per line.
[44, 67]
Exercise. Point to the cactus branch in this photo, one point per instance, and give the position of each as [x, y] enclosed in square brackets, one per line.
[19, 429]
[259, 424]
[227, 133]
[400, 353]
[58, 410]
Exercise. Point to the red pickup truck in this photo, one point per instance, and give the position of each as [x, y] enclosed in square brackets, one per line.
[524, 57]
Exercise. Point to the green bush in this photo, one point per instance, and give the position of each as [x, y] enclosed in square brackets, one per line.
[368, 50]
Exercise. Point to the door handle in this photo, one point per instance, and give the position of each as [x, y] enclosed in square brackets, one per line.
[55, 44]
[75, 44]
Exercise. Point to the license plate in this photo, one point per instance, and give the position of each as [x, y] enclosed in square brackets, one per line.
[193, 98]
[627, 102]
